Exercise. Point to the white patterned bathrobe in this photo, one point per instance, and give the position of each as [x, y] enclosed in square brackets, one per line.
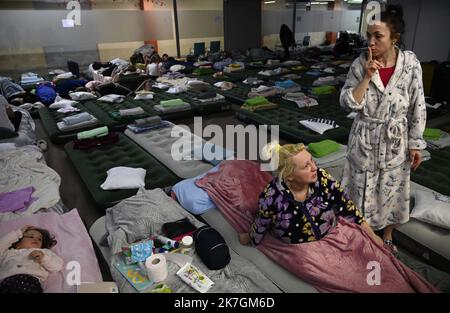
[390, 121]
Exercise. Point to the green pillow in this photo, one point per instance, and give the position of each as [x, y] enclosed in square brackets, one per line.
[258, 100]
[323, 148]
[96, 132]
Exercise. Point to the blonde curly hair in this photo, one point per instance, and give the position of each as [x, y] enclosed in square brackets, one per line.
[285, 154]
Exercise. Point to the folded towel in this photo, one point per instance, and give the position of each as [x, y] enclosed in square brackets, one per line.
[144, 95]
[161, 86]
[96, 132]
[171, 103]
[77, 118]
[176, 89]
[137, 129]
[285, 84]
[323, 148]
[442, 142]
[133, 111]
[432, 134]
[152, 120]
[323, 90]
[258, 100]
[171, 109]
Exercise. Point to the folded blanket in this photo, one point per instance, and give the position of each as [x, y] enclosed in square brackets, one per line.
[137, 129]
[171, 109]
[176, 89]
[96, 132]
[432, 133]
[77, 118]
[323, 148]
[148, 121]
[133, 111]
[442, 142]
[336, 263]
[224, 85]
[68, 128]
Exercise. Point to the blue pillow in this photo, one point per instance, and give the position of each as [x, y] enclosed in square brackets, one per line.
[194, 199]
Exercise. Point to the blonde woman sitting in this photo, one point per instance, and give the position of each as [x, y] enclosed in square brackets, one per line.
[302, 203]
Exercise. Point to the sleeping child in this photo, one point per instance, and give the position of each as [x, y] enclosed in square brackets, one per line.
[26, 261]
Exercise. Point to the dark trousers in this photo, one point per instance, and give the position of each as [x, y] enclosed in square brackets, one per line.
[20, 283]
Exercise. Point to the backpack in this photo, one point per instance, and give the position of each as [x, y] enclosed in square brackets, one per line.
[46, 93]
[211, 248]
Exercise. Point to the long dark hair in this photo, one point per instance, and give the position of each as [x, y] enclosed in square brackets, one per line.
[393, 17]
[48, 241]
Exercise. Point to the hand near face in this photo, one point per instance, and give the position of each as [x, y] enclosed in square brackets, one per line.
[372, 66]
[37, 256]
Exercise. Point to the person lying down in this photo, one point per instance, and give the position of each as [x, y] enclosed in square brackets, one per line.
[318, 234]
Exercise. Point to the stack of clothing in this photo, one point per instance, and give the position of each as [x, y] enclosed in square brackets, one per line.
[257, 104]
[252, 81]
[313, 73]
[170, 106]
[224, 85]
[328, 80]
[264, 91]
[29, 78]
[298, 68]
[209, 97]
[147, 124]
[287, 86]
[291, 63]
[328, 153]
[277, 71]
[144, 95]
[436, 138]
[128, 114]
[320, 65]
[291, 76]
[172, 75]
[95, 137]
[77, 121]
[234, 67]
[300, 99]
[319, 125]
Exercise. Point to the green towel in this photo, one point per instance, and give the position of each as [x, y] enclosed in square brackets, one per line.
[432, 134]
[323, 148]
[171, 103]
[258, 100]
[96, 132]
[323, 90]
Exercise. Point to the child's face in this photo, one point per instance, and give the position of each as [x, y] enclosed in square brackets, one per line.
[31, 239]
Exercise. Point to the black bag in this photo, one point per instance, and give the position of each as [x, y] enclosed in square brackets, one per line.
[211, 248]
[177, 228]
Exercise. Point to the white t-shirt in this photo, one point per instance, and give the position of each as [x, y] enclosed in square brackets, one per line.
[153, 69]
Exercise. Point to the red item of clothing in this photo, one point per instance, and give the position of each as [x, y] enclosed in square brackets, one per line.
[385, 74]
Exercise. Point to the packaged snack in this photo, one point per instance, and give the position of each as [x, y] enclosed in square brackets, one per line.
[195, 278]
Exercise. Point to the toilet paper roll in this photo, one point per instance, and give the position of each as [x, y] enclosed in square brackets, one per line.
[156, 266]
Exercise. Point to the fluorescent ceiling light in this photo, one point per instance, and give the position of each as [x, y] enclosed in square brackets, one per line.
[319, 2]
[269, 2]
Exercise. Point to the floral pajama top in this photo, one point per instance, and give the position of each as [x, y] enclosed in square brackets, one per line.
[296, 222]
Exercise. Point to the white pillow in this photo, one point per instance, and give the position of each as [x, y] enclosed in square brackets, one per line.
[82, 95]
[432, 207]
[124, 178]
[62, 104]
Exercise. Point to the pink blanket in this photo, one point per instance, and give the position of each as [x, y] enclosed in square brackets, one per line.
[337, 263]
[74, 244]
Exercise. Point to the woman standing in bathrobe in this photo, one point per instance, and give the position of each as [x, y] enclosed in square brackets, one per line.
[384, 86]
